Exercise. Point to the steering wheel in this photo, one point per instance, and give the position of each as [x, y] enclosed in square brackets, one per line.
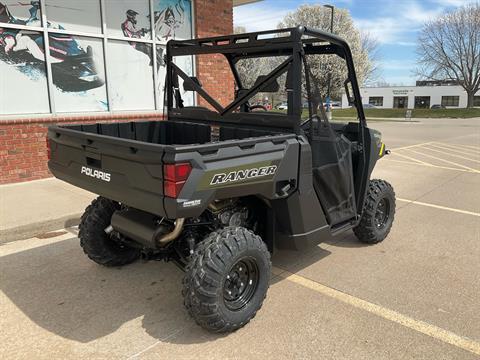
[255, 107]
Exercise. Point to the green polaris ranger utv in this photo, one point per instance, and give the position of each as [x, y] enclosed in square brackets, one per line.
[218, 189]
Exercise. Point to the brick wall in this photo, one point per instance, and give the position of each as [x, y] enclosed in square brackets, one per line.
[23, 149]
[23, 154]
[213, 18]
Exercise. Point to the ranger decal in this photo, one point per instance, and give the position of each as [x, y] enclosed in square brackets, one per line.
[239, 175]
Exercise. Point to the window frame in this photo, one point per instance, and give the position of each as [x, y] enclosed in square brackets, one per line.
[476, 100]
[450, 100]
[373, 100]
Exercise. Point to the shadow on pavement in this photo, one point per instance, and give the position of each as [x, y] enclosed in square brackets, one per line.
[346, 241]
[60, 290]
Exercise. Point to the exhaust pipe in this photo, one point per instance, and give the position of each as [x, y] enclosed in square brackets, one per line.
[169, 237]
[141, 227]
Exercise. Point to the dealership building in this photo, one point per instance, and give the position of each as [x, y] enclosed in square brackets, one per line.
[423, 96]
[70, 61]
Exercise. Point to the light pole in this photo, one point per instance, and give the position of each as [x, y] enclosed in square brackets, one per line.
[331, 7]
[329, 110]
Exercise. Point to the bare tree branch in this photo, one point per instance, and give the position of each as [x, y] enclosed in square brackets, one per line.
[449, 48]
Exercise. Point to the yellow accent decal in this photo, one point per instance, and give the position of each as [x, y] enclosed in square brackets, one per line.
[381, 149]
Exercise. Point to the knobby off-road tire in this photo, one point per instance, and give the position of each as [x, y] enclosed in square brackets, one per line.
[378, 213]
[231, 263]
[96, 243]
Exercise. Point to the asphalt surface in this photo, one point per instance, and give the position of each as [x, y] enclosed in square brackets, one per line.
[414, 296]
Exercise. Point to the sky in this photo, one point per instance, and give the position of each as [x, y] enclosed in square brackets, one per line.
[395, 24]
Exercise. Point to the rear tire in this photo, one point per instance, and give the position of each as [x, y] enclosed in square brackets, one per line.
[227, 279]
[96, 243]
[378, 213]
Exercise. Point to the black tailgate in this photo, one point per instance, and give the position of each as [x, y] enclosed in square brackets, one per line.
[121, 169]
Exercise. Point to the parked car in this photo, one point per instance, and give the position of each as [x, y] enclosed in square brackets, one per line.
[369, 106]
[282, 106]
[437, 106]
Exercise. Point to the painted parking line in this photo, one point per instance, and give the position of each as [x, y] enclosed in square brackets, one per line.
[391, 315]
[19, 246]
[422, 163]
[412, 159]
[457, 146]
[455, 155]
[455, 151]
[409, 146]
[447, 161]
[460, 211]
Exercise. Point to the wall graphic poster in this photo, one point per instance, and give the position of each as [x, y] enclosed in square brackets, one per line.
[130, 74]
[78, 64]
[128, 18]
[83, 16]
[23, 84]
[173, 19]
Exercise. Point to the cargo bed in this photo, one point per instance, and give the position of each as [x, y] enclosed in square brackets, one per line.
[124, 161]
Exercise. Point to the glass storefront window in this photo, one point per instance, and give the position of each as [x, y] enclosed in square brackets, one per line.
[172, 19]
[450, 100]
[375, 100]
[400, 102]
[130, 75]
[23, 80]
[81, 79]
[21, 13]
[78, 73]
[128, 18]
[422, 102]
[74, 15]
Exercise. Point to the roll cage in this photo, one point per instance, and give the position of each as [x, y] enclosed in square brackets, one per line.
[293, 43]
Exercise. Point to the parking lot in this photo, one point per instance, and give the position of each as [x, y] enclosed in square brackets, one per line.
[414, 296]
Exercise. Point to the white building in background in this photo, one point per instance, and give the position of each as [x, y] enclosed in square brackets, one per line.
[410, 97]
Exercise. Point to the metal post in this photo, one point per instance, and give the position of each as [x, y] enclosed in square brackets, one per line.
[329, 110]
[108, 88]
[332, 8]
[48, 63]
[155, 66]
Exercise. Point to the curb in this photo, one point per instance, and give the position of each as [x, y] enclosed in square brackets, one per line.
[414, 120]
[31, 230]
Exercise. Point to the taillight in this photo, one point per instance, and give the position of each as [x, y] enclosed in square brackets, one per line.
[49, 151]
[174, 177]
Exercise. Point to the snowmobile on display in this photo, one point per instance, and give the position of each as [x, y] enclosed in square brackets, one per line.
[73, 66]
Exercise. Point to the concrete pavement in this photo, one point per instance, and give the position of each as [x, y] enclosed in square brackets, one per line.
[32, 208]
[414, 296]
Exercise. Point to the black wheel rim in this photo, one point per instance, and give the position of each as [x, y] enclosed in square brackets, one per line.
[382, 214]
[240, 284]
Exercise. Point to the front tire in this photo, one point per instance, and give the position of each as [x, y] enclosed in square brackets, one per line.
[96, 243]
[378, 213]
[227, 279]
